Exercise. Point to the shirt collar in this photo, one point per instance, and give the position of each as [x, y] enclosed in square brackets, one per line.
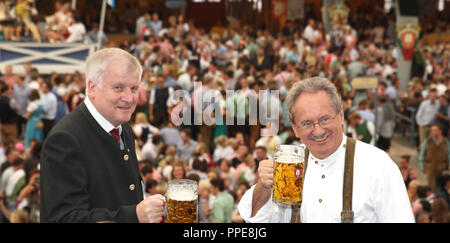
[105, 124]
[437, 141]
[328, 161]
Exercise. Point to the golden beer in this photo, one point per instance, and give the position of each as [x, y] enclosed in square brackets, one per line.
[182, 211]
[182, 201]
[288, 175]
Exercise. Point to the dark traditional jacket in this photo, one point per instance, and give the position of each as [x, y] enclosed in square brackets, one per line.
[85, 176]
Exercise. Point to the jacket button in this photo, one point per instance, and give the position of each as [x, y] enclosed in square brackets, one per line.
[125, 157]
[132, 187]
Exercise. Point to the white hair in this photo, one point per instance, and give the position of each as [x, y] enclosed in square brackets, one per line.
[97, 63]
[312, 85]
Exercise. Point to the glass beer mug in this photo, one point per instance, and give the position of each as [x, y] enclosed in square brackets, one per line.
[182, 201]
[288, 174]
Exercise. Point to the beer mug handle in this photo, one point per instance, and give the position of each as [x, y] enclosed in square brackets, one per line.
[164, 212]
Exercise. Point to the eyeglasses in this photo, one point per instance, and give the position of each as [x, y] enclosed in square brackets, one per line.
[323, 122]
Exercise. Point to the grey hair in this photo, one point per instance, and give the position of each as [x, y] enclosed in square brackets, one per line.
[312, 85]
[97, 63]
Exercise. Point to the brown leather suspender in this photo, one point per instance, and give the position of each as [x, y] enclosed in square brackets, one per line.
[295, 215]
[347, 214]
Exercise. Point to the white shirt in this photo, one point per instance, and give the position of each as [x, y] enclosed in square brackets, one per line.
[308, 33]
[4, 177]
[12, 181]
[50, 103]
[2, 158]
[185, 81]
[149, 151]
[370, 128]
[139, 128]
[105, 124]
[77, 32]
[226, 152]
[268, 144]
[33, 105]
[441, 88]
[379, 193]
[426, 112]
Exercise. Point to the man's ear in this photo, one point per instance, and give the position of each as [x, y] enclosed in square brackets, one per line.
[91, 90]
[297, 135]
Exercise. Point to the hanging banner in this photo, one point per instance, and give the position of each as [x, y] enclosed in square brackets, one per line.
[364, 83]
[337, 13]
[296, 9]
[279, 9]
[408, 36]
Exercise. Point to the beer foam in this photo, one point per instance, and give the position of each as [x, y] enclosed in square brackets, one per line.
[181, 195]
[289, 159]
[289, 154]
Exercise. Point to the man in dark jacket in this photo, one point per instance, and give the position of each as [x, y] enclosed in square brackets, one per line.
[89, 169]
[262, 61]
[159, 96]
[443, 190]
[8, 115]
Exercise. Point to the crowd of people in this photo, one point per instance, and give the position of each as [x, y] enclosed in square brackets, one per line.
[223, 158]
[16, 21]
[21, 21]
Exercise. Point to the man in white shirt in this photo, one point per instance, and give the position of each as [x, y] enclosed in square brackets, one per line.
[50, 103]
[426, 114]
[308, 33]
[151, 148]
[185, 79]
[77, 30]
[186, 146]
[379, 193]
[17, 173]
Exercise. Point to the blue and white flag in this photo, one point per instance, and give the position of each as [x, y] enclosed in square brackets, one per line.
[111, 3]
